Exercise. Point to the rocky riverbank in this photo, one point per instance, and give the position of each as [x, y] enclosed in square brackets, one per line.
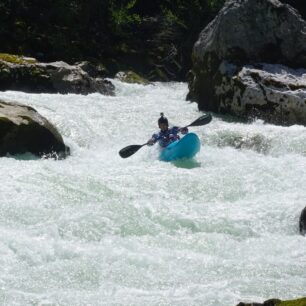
[29, 75]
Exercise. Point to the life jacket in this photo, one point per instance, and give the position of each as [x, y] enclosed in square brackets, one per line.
[164, 138]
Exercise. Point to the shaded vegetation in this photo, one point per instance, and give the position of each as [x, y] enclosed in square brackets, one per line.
[154, 38]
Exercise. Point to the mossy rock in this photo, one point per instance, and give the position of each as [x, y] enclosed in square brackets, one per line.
[298, 302]
[131, 77]
[16, 59]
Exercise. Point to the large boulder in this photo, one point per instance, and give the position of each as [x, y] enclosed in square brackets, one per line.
[248, 32]
[274, 93]
[28, 75]
[23, 129]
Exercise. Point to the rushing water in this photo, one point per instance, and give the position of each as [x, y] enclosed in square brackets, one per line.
[96, 229]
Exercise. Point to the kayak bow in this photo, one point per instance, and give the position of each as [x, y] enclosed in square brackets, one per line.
[187, 147]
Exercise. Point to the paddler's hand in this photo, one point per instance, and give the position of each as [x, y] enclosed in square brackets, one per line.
[150, 142]
[184, 130]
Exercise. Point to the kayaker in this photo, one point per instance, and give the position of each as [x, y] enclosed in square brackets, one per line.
[166, 135]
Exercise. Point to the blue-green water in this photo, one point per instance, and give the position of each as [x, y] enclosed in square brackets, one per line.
[96, 229]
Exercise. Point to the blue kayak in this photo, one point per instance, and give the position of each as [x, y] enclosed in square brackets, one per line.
[187, 147]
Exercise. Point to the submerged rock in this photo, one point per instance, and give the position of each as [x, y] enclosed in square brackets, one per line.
[131, 77]
[276, 302]
[23, 129]
[229, 55]
[272, 302]
[302, 222]
[28, 75]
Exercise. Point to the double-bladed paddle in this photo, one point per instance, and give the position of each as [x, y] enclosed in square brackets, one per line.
[130, 150]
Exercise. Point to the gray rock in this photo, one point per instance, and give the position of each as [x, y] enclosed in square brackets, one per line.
[56, 77]
[274, 93]
[23, 129]
[247, 32]
[94, 71]
[255, 30]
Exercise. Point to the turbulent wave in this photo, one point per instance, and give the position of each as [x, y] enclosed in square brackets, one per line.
[259, 137]
[96, 229]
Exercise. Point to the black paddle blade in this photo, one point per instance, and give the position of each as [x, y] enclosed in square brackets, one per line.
[205, 119]
[129, 150]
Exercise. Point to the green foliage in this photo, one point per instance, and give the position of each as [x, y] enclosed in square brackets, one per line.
[121, 17]
[74, 30]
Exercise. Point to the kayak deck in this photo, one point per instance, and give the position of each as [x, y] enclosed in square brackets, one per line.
[187, 147]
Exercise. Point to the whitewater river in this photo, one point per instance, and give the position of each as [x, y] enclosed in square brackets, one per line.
[96, 229]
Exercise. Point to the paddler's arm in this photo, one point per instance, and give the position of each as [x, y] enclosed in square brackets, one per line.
[153, 139]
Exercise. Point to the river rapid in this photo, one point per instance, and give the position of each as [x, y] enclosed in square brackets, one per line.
[96, 229]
